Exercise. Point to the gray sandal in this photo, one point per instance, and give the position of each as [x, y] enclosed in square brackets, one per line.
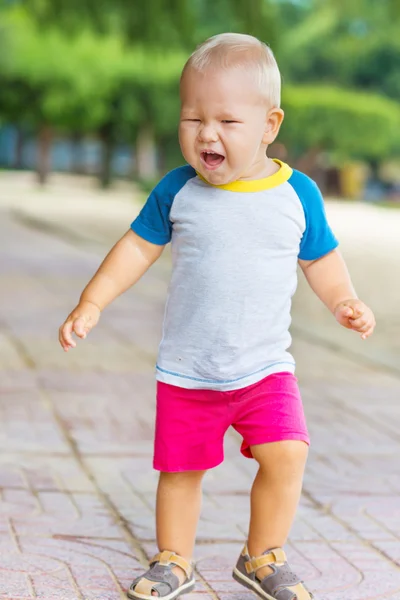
[282, 584]
[160, 579]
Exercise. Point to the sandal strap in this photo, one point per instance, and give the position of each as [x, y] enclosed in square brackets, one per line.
[147, 586]
[275, 556]
[300, 591]
[167, 558]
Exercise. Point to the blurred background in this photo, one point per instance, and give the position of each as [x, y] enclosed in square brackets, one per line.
[91, 86]
[88, 123]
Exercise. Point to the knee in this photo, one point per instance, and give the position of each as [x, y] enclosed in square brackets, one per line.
[282, 460]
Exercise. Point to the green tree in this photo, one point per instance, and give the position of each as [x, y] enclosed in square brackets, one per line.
[113, 68]
[353, 44]
[90, 82]
[157, 23]
[348, 123]
[341, 59]
[148, 30]
[49, 83]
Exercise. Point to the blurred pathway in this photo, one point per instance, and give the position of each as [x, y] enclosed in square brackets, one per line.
[76, 485]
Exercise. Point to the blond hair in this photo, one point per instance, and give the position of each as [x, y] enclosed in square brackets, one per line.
[228, 50]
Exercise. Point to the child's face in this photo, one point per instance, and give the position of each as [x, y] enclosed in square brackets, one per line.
[225, 124]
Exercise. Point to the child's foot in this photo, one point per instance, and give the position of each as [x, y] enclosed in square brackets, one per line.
[168, 577]
[279, 584]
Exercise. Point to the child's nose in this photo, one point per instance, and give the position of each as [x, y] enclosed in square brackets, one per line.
[208, 133]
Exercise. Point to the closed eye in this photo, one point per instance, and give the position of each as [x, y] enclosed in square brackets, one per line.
[229, 121]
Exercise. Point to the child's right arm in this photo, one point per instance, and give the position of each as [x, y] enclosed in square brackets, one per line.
[125, 264]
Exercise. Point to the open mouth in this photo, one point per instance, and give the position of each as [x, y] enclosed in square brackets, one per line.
[211, 160]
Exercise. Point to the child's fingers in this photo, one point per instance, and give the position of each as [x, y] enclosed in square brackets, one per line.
[353, 309]
[369, 332]
[343, 315]
[353, 314]
[346, 312]
[78, 326]
[65, 336]
[365, 326]
[81, 326]
[360, 324]
[358, 311]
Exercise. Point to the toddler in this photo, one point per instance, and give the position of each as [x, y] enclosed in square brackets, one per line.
[239, 223]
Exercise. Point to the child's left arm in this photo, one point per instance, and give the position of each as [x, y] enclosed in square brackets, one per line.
[330, 280]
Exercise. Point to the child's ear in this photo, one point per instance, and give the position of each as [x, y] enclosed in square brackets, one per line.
[273, 124]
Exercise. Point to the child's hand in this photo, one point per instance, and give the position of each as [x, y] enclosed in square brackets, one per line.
[355, 315]
[82, 319]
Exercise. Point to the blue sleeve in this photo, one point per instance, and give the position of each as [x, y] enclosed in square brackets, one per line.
[318, 238]
[153, 223]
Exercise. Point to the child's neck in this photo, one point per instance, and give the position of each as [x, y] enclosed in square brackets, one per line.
[261, 169]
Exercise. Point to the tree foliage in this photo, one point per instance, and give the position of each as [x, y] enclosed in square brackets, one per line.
[112, 68]
[153, 22]
[345, 122]
[353, 44]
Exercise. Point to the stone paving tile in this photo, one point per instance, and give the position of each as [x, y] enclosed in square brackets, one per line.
[16, 380]
[103, 422]
[27, 424]
[76, 485]
[43, 472]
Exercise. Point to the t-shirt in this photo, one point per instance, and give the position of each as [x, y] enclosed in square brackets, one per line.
[234, 252]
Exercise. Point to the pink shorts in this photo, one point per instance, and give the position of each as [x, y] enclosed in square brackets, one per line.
[191, 424]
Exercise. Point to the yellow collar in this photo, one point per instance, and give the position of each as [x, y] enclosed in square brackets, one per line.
[257, 185]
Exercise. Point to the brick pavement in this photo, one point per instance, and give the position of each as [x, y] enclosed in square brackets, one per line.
[76, 487]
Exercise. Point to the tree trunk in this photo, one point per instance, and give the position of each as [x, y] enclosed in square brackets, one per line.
[43, 153]
[77, 164]
[19, 147]
[146, 154]
[162, 156]
[107, 139]
[309, 164]
[309, 160]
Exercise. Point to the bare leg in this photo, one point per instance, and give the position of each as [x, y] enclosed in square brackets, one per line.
[177, 513]
[275, 495]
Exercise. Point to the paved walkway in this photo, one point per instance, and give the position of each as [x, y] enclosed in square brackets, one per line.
[76, 487]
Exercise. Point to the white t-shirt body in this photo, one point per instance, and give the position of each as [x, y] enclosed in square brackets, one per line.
[235, 250]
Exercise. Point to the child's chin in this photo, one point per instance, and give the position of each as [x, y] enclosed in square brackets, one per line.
[216, 177]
